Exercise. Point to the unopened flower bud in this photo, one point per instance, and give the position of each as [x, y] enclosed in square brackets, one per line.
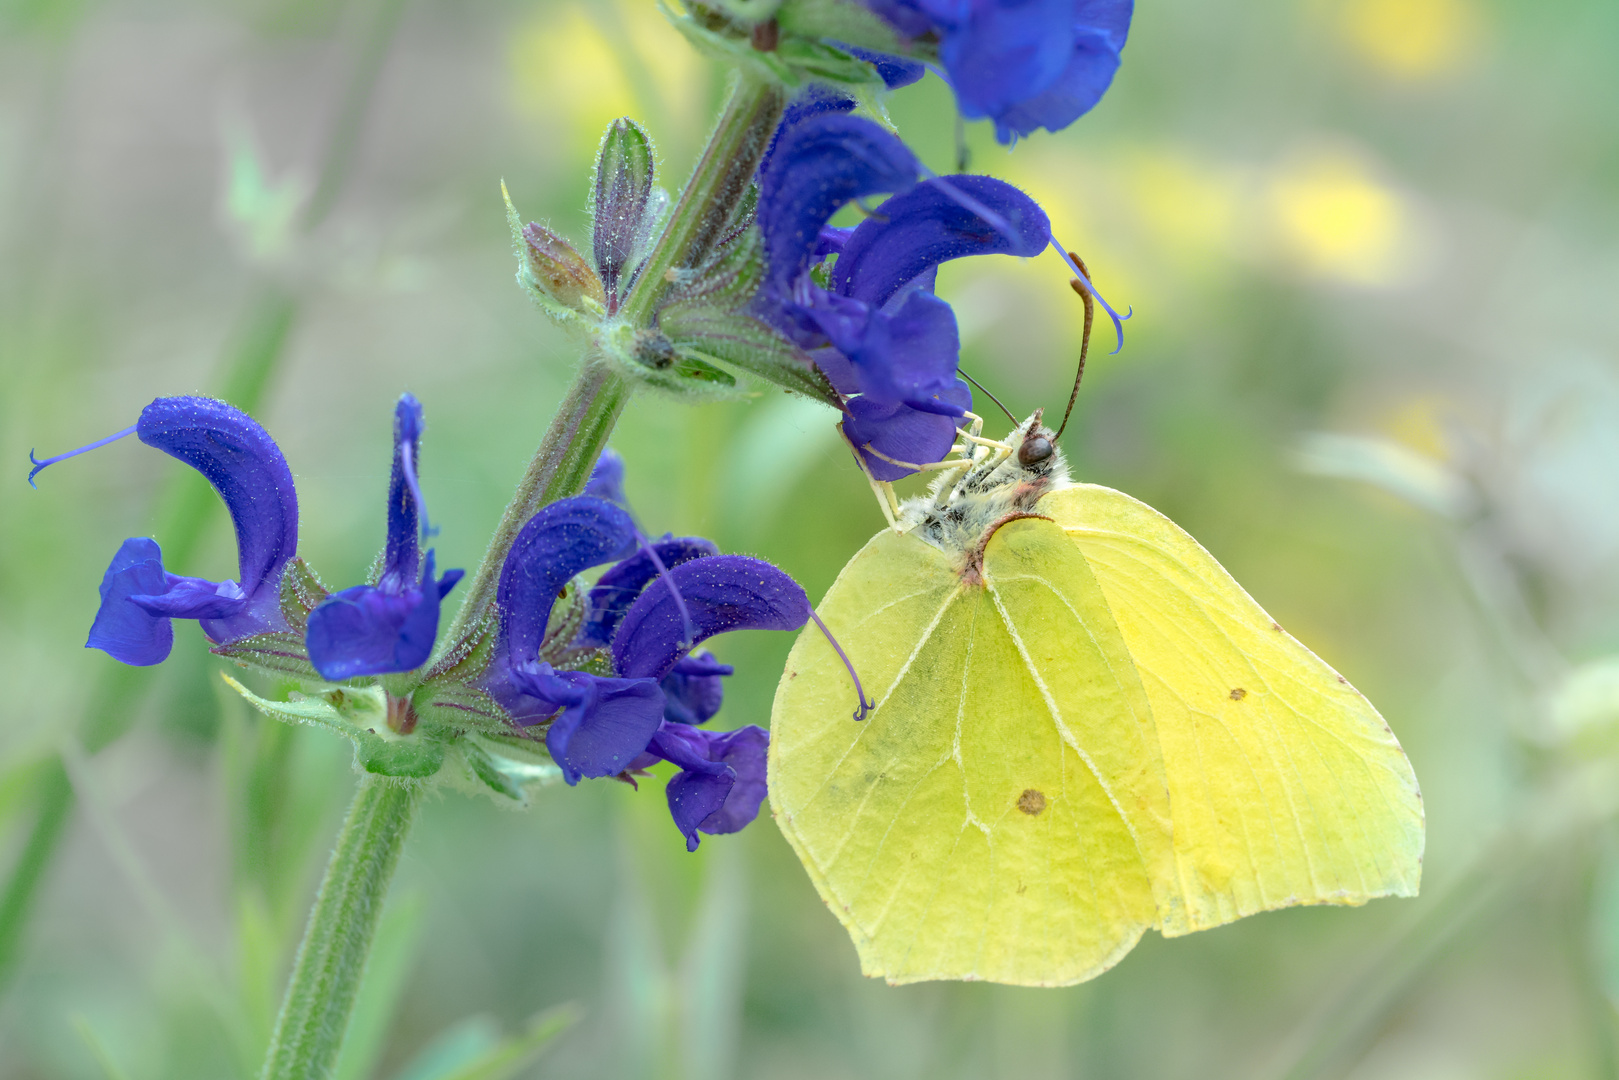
[560, 272]
[624, 176]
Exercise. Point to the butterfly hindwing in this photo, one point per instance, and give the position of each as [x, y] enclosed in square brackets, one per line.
[1001, 814]
[1286, 786]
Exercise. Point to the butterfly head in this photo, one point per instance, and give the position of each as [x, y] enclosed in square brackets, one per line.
[1034, 464]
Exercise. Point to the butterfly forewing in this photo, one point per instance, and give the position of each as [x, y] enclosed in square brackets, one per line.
[1001, 813]
[1286, 786]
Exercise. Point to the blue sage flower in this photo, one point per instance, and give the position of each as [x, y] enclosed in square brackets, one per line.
[140, 597]
[619, 688]
[389, 626]
[875, 328]
[1025, 64]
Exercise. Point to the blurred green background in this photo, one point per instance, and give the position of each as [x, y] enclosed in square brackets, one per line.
[1395, 222]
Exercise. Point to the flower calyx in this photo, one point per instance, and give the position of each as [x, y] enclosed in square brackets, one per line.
[794, 42]
[699, 335]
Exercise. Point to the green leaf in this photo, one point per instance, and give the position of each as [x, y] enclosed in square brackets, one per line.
[301, 593]
[744, 342]
[533, 278]
[840, 20]
[729, 279]
[794, 61]
[451, 708]
[467, 658]
[469, 1050]
[281, 652]
[659, 363]
[511, 774]
[361, 715]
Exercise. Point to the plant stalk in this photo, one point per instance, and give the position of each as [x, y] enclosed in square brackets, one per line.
[717, 185]
[331, 959]
[560, 468]
[579, 431]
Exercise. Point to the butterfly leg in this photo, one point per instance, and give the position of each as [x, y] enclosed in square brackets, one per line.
[887, 501]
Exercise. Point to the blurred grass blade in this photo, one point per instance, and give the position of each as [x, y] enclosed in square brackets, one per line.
[54, 802]
[1404, 473]
[472, 1051]
[393, 957]
[712, 971]
[257, 350]
[92, 1042]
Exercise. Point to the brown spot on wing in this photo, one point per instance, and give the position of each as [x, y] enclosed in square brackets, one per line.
[1238, 694]
[1031, 802]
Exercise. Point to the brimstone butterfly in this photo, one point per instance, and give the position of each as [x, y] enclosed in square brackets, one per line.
[1084, 729]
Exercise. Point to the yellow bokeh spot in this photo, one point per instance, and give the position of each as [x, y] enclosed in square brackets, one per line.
[1334, 217]
[1412, 39]
[591, 63]
[1190, 208]
[1419, 423]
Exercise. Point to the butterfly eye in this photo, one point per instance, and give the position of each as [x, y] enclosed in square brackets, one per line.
[1035, 449]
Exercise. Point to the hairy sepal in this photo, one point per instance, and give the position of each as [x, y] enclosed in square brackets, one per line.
[797, 59]
[360, 714]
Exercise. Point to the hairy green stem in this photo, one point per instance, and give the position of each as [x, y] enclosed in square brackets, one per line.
[717, 185]
[579, 431]
[331, 960]
[560, 468]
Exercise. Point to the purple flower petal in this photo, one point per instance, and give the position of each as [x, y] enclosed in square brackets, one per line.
[245, 466]
[744, 750]
[124, 630]
[905, 357]
[895, 71]
[618, 587]
[699, 790]
[390, 626]
[605, 724]
[721, 782]
[1026, 64]
[1093, 61]
[901, 432]
[401, 557]
[565, 538]
[936, 221]
[370, 630]
[694, 691]
[999, 53]
[903, 15]
[815, 167]
[720, 593]
[194, 598]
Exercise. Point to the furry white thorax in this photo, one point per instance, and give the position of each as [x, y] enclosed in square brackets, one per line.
[965, 505]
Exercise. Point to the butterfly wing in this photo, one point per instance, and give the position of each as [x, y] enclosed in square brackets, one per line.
[1286, 786]
[1002, 814]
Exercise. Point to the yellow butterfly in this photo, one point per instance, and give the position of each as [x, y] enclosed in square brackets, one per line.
[1083, 729]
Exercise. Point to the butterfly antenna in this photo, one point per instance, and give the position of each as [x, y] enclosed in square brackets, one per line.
[1085, 338]
[991, 397]
[860, 691]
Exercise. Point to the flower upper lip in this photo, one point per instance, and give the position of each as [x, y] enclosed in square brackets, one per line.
[877, 332]
[139, 596]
